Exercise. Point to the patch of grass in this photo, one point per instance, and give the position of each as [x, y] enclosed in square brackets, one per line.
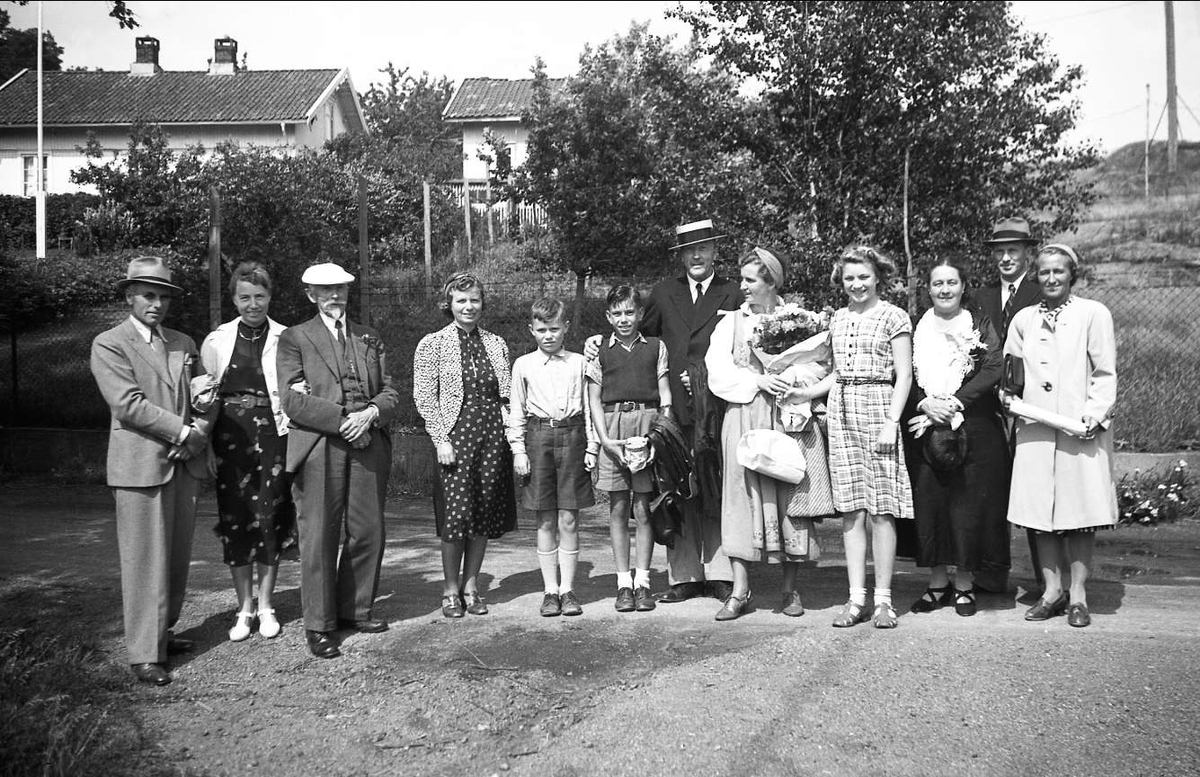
[64, 710]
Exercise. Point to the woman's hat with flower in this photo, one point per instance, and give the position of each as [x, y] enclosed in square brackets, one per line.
[695, 232]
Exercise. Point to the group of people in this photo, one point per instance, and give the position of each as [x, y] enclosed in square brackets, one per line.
[928, 440]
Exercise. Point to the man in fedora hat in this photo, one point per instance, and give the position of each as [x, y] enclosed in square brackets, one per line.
[683, 312]
[337, 393]
[1013, 248]
[156, 461]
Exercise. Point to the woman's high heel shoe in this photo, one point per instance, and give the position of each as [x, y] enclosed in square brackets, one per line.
[268, 624]
[735, 607]
[241, 627]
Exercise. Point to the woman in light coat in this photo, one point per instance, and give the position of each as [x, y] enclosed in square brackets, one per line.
[1062, 484]
[255, 513]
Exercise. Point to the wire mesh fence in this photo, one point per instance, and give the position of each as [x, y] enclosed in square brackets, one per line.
[45, 379]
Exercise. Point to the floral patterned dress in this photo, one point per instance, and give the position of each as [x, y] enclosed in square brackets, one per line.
[256, 519]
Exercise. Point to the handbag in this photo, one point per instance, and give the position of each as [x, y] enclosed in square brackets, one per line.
[773, 454]
[666, 518]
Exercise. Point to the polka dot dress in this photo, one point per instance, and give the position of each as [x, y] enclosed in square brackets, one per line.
[474, 497]
[255, 514]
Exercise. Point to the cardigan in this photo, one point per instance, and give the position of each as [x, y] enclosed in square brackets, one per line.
[217, 350]
[437, 377]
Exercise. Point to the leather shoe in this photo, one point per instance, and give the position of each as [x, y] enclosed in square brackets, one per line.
[366, 626]
[719, 589]
[642, 600]
[155, 674]
[624, 602]
[177, 645]
[1078, 615]
[322, 644]
[551, 606]
[1045, 610]
[735, 607]
[569, 604]
[681, 592]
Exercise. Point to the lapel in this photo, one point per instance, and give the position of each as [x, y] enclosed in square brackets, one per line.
[175, 359]
[314, 329]
[681, 298]
[146, 353]
[358, 352]
[710, 303]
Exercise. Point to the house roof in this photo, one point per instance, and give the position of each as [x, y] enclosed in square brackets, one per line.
[492, 98]
[247, 97]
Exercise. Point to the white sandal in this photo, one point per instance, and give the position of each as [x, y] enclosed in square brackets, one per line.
[241, 627]
[268, 626]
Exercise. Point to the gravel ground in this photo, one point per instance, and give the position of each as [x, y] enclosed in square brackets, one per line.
[664, 693]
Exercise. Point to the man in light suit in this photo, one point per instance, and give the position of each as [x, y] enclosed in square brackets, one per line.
[1013, 249]
[335, 389]
[155, 461]
[683, 312]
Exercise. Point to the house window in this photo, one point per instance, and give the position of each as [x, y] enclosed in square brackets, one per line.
[29, 183]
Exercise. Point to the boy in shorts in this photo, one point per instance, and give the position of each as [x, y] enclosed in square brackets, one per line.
[554, 448]
[627, 384]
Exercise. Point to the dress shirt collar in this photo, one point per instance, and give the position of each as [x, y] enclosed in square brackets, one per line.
[144, 331]
[546, 358]
[613, 339]
[329, 324]
[1015, 284]
[704, 284]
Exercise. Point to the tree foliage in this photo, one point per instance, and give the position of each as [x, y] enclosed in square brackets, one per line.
[978, 106]
[639, 140]
[18, 49]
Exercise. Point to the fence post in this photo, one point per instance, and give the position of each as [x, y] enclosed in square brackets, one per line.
[214, 257]
[428, 239]
[364, 260]
[16, 403]
[467, 214]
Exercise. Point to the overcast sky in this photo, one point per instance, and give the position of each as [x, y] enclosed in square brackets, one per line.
[1121, 45]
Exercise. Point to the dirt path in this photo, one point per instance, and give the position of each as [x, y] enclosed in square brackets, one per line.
[662, 693]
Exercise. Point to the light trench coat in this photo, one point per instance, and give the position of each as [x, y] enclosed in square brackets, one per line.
[217, 350]
[1061, 482]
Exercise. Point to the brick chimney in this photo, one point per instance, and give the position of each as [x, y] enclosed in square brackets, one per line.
[224, 61]
[146, 63]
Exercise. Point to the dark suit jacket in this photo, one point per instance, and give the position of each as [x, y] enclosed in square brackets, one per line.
[686, 329]
[150, 403]
[305, 353]
[988, 300]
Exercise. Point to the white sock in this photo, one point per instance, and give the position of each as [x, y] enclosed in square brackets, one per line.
[883, 596]
[858, 596]
[641, 579]
[567, 560]
[624, 580]
[548, 561]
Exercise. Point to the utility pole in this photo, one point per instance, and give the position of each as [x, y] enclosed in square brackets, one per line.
[1146, 151]
[1172, 112]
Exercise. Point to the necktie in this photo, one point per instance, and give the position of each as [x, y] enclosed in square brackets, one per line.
[1008, 306]
[341, 337]
[699, 292]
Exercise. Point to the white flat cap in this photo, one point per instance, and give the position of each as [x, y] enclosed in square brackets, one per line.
[327, 274]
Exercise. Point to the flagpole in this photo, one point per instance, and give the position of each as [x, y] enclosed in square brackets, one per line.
[39, 193]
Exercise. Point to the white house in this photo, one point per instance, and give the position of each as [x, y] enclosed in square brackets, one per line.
[290, 109]
[495, 104]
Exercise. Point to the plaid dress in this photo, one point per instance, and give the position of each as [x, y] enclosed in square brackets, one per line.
[862, 350]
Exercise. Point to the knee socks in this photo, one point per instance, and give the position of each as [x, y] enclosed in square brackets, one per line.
[548, 561]
[567, 559]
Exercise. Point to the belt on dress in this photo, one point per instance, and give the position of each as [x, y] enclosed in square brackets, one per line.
[628, 407]
[862, 381]
[246, 400]
[554, 423]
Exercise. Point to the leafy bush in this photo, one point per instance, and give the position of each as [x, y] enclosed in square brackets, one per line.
[106, 227]
[1155, 497]
[62, 211]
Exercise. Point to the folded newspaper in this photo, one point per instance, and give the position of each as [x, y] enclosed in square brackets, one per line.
[1072, 426]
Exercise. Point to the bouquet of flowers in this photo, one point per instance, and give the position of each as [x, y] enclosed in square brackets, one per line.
[788, 325]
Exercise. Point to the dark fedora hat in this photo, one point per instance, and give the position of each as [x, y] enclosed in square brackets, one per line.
[696, 232]
[148, 269]
[1011, 230]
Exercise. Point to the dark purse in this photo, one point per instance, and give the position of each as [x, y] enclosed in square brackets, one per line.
[666, 518]
[1013, 380]
[945, 449]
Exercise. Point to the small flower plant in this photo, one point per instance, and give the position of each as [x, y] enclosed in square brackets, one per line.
[1151, 497]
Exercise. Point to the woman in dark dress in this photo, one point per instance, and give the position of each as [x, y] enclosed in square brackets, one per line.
[461, 380]
[960, 460]
[256, 517]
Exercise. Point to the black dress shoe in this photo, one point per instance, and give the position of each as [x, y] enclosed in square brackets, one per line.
[155, 674]
[1045, 610]
[322, 644]
[1078, 615]
[366, 626]
[720, 590]
[964, 602]
[551, 606]
[681, 592]
[177, 645]
[642, 600]
[625, 601]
